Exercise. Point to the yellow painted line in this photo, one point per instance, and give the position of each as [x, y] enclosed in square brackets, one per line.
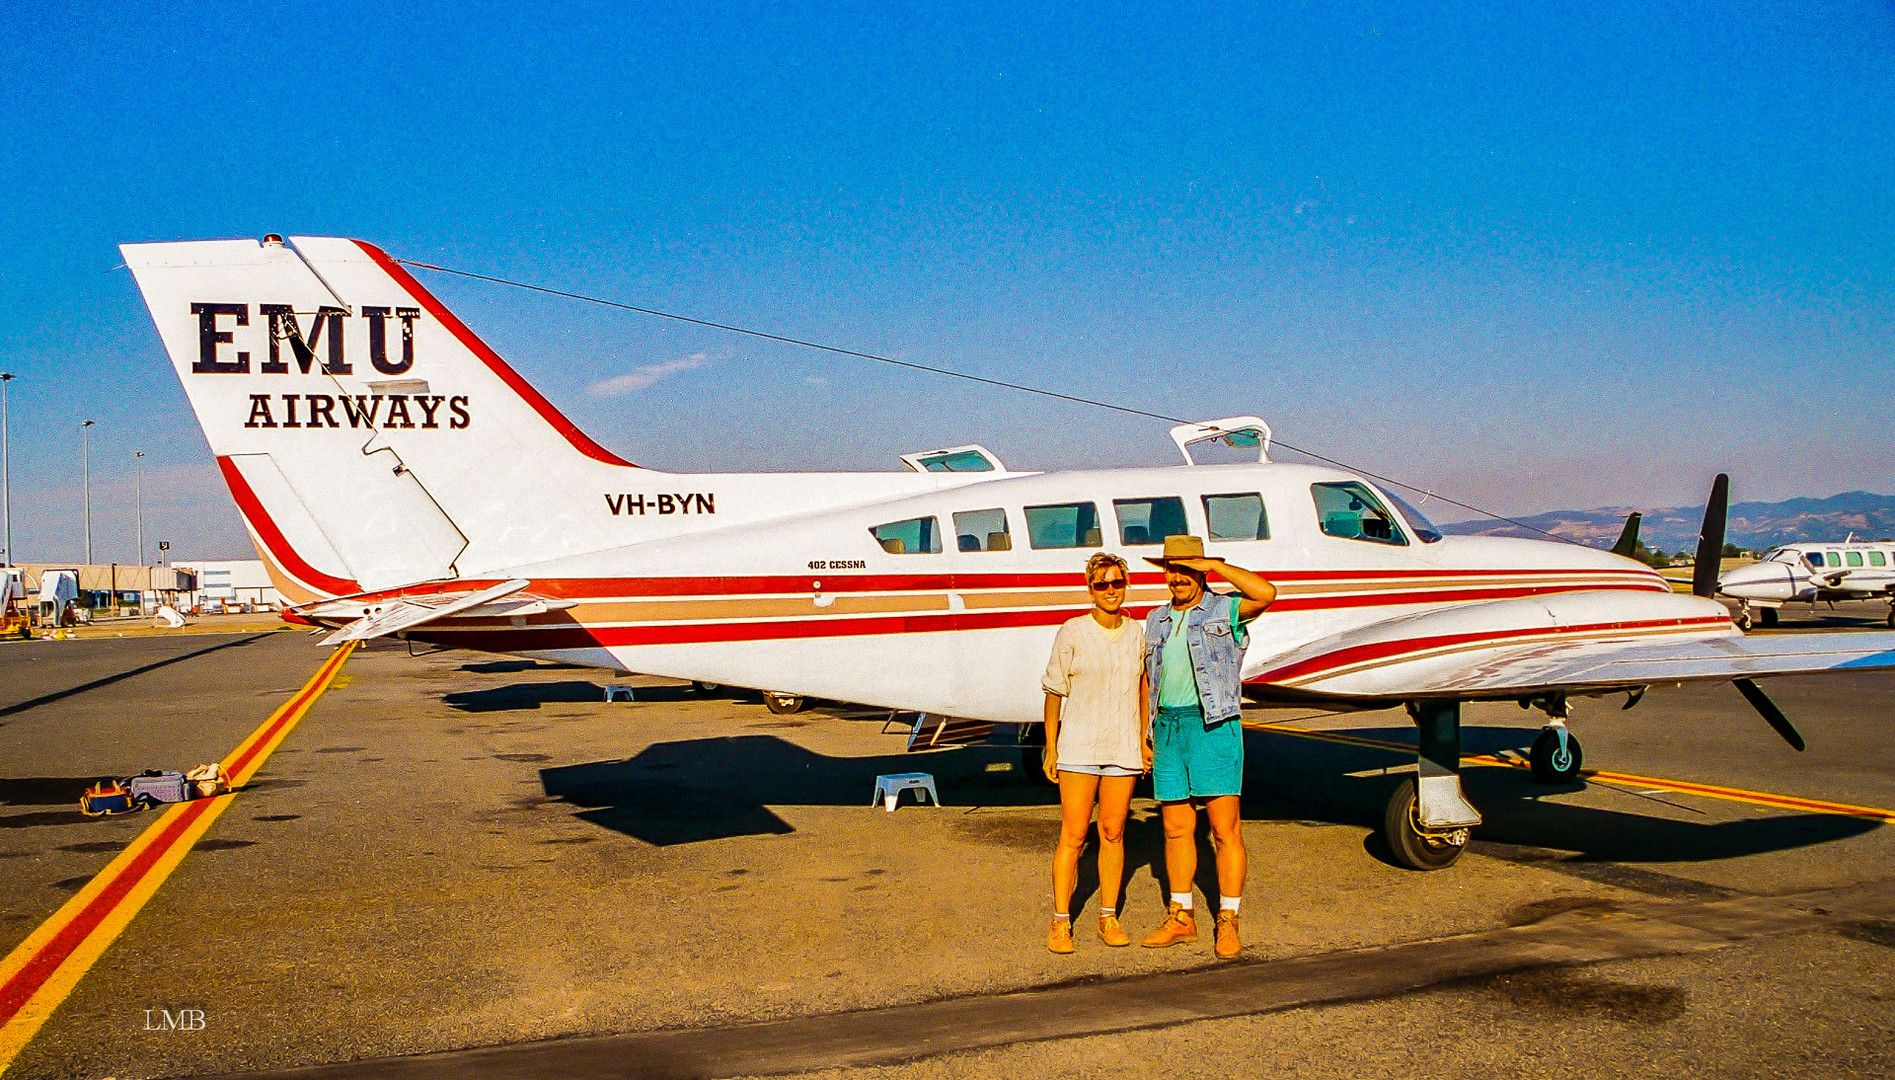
[38, 975]
[1647, 783]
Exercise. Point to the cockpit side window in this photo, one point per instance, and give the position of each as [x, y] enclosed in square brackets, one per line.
[914, 536]
[1149, 521]
[1418, 522]
[982, 530]
[1351, 511]
[1067, 525]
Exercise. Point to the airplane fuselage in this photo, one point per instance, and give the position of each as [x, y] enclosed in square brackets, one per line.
[948, 601]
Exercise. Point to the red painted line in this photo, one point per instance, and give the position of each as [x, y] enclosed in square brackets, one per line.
[273, 537]
[579, 440]
[26, 982]
[285, 716]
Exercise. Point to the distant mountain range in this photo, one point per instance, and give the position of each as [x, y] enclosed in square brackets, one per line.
[1752, 525]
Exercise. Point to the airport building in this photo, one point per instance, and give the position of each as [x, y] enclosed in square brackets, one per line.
[110, 588]
[229, 583]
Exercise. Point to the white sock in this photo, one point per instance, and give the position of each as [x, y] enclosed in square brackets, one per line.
[1182, 899]
[1229, 903]
[1107, 912]
[1062, 915]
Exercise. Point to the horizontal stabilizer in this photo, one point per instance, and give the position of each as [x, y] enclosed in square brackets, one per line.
[412, 611]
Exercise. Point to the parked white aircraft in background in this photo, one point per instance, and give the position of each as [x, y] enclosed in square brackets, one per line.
[399, 478]
[1812, 573]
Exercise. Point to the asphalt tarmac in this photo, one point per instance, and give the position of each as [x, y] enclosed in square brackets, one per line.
[456, 851]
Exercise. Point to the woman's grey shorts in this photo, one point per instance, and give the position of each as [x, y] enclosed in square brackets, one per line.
[1098, 770]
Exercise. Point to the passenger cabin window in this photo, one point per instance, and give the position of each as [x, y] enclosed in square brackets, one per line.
[1236, 517]
[982, 530]
[1834, 559]
[915, 536]
[1876, 558]
[1853, 558]
[958, 461]
[1350, 510]
[1068, 525]
[1149, 521]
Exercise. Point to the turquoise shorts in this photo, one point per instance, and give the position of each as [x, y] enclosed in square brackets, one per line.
[1190, 761]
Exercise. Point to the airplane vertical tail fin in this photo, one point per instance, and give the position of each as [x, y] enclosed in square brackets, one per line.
[369, 438]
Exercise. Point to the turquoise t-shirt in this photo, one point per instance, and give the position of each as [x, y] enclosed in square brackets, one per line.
[1177, 683]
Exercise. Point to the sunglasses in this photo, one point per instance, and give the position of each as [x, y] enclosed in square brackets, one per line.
[1107, 585]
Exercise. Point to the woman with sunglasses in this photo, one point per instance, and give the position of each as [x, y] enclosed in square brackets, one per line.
[1096, 718]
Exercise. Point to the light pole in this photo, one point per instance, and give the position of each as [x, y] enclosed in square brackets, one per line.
[85, 480]
[140, 455]
[6, 468]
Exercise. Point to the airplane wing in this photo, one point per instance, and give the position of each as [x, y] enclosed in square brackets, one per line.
[1566, 644]
[411, 611]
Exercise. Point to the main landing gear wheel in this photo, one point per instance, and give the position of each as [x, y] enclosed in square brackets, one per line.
[782, 704]
[1555, 759]
[1767, 616]
[706, 689]
[1415, 847]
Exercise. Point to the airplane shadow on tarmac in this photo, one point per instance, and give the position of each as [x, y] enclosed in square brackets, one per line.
[695, 790]
[532, 695]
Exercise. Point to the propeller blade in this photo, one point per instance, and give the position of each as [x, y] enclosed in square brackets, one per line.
[1628, 539]
[1711, 540]
[1771, 714]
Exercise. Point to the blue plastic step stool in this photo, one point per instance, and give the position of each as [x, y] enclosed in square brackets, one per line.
[888, 788]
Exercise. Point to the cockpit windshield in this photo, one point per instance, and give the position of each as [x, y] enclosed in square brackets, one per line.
[1784, 555]
[1418, 522]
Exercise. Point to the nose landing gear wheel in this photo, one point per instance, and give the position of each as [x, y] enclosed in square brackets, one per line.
[1413, 846]
[1555, 760]
[706, 689]
[782, 704]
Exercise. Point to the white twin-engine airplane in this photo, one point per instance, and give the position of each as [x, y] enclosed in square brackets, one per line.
[399, 478]
[1812, 573]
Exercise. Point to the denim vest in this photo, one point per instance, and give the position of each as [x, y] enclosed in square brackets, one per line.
[1216, 658]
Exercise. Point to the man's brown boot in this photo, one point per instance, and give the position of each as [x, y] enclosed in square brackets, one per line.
[1060, 938]
[1111, 933]
[1229, 944]
[1179, 925]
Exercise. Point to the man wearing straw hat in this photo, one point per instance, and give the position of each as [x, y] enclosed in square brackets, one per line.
[1194, 651]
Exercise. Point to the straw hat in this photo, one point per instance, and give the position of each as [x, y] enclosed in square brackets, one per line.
[1180, 547]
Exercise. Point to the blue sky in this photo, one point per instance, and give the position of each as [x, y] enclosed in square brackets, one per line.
[1535, 256]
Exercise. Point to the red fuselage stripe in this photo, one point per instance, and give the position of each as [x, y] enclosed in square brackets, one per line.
[1383, 649]
[273, 538]
[707, 587]
[565, 427]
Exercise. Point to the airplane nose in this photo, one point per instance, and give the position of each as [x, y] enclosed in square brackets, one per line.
[1758, 581]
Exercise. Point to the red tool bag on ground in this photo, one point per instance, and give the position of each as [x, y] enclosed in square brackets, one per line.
[106, 798]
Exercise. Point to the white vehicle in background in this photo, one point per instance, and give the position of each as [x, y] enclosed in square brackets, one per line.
[399, 478]
[1811, 573]
[58, 592]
